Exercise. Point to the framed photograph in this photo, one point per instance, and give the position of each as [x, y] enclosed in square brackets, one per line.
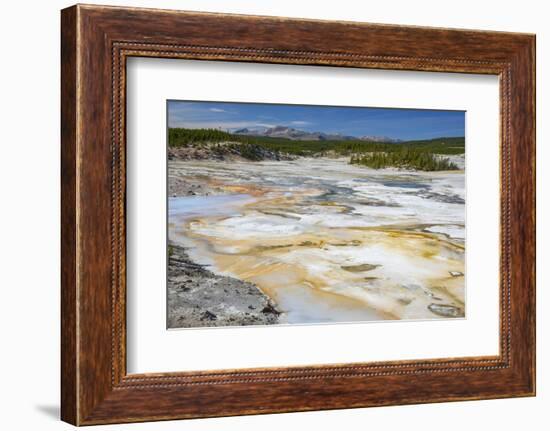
[263, 214]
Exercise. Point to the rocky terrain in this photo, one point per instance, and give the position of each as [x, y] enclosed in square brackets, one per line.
[198, 297]
[225, 151]
[326, 240]
[180, 185]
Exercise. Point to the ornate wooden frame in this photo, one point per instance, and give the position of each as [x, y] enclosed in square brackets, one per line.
[95, 43]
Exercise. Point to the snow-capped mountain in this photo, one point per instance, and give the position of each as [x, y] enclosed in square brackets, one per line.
[301, 135]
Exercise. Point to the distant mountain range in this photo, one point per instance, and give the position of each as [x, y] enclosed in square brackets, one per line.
[301, 135]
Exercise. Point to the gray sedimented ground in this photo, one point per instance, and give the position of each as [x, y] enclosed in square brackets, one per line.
[180, 185]
[197, 297]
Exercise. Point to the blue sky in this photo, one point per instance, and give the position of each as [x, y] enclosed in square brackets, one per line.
[395, 123]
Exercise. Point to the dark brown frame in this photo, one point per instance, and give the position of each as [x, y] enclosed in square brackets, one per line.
[95, 43]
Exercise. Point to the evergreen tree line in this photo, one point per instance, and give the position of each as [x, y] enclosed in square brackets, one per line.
[180, 137]
[410, 158]
[418, 154]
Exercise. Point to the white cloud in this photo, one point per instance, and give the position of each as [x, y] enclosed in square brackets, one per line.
[300, 123]
[175, 122]
[217, 110]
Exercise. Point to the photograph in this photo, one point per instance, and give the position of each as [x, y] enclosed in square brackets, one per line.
[275, 210]
[306, 214]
